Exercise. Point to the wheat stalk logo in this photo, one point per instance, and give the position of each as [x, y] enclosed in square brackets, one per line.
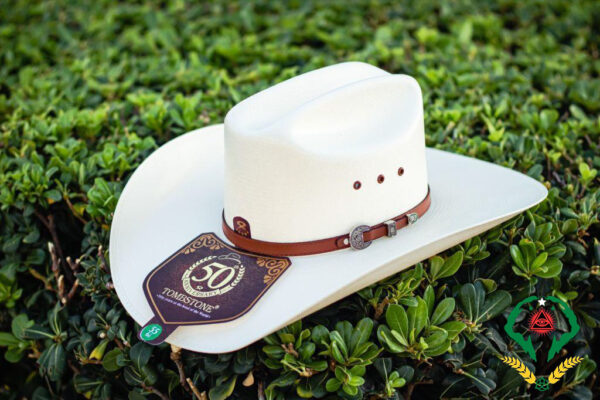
[562, 368]
[521, 368]
[541, 383]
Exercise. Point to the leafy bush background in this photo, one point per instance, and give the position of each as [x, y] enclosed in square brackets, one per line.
[89, 89]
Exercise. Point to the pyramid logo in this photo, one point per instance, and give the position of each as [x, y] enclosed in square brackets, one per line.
[541, 322]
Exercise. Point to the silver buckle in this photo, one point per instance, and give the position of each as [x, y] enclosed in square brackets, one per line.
[357, 241]
[391, 227]
[412, 218]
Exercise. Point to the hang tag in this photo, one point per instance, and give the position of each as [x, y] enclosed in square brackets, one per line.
[206, 282]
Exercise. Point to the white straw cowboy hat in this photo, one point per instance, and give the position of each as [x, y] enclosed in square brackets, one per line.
[329, 168]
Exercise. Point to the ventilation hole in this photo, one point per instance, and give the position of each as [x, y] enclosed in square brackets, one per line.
[380, 179]
[400, 171]
[357, 185]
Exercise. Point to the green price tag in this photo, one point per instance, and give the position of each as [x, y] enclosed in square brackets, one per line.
[151, 332]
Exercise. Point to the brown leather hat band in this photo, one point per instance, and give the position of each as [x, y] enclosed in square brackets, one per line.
[360, 237]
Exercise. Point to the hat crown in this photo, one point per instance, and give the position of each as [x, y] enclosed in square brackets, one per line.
[320, 153]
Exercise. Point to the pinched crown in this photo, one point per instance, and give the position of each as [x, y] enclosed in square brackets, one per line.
[325, 151]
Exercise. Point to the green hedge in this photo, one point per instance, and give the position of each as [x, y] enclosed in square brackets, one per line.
[89, 89]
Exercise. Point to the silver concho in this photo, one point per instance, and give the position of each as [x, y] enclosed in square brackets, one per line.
[412, 218]
[391, 228]
[357, 242]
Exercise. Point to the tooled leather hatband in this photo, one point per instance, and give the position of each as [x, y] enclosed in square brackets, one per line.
[359, 238]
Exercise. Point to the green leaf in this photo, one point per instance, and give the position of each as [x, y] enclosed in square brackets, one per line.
[286, 338]
[32, 237]
[587, 174]
[383, 367]
[85, 384]
[11, 244]
[517, 257]
[435, 265]
[489, 284]
[337, 338]
[349, 389]
[451, 265]
[584, 369]
[340, 373]
[467, 296]
[140, 354]
[320, 334]
[356, 381]
[53, 195]
[453, 328]
[224, 390]
[358, 370]
[417, 316]
[304, 391]
[569, 226]
[8, 339]
[442, 312]
[436, 338]
[284, 380]
[399, 338]
[528, 250]
[109, 362]
[429, 297]
[441, 348]
[306, 350]
[396, 319]
[398, 382]
[553, 267]
[361, 333]
[20, 324]
[273, 351]
[482, 382]
[548, 118]
[37, 332]
[345, 330]
[53, 361]
[539, 261]
[495, 303]
[386, 338]
[337, 354]
[14, 354]
[332, 385]
[519, 272]
[133, 395]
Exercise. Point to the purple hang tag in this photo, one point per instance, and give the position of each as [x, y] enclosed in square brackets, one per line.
[206, 282]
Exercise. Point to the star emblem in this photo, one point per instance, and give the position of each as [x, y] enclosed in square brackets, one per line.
[542, 302]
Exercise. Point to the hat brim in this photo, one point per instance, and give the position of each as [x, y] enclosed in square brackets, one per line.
[177, 193]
